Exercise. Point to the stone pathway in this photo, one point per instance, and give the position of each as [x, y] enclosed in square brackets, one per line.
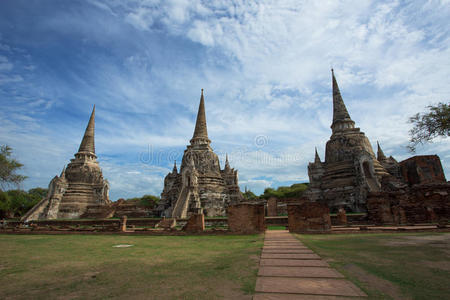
[290, 270]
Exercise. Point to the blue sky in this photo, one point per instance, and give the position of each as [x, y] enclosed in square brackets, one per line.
[264, 65]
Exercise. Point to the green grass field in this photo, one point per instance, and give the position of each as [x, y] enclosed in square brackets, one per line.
[390, 266]
[155, 267]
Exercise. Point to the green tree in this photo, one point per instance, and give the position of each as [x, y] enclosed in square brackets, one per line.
[21, 202]
[5, 205]
[429, 125]
[149, 201]
[38, 192]
[8, 169]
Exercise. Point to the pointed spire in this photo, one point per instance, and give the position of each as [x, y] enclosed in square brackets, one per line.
[63, 173]
[380, 154]
[340, 112]
[201, 132]
[88, 142]
[227, 163]
[317, 158]
[175, 170]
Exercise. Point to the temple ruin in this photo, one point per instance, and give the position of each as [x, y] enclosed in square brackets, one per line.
[350, 170]
[200, 186]
[351, 173]
[80, 185]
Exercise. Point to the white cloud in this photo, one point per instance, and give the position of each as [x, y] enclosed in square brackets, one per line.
[265, 69]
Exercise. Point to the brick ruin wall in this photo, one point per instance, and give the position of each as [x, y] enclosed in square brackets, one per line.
[422, 169]
[246, 218]
[419, 204]
[309, 217]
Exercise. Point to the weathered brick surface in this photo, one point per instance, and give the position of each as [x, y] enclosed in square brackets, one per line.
[246, 218]
[418, 204]
[272, 207]
[196, 223]
[309, 217]
[422, 169]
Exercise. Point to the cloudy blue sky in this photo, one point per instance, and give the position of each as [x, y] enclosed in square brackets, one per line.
[264, 65]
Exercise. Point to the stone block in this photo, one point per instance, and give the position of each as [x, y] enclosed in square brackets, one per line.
[309, 217]
[196, 223]
[246, 218]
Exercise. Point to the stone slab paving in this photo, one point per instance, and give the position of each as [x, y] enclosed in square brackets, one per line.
[308, 286]
[290, 256]
[293, 263]
[286, 251]
[278, 296]
[289, 270]
[306, 272]
[281, 243]
[285, 247]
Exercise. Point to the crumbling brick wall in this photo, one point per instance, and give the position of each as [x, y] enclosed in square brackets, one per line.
[418, 204]
[422, 169]
[246, 218]
[309, 217]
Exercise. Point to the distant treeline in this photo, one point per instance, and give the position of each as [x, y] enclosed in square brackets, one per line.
[149, 201]
[294, 191]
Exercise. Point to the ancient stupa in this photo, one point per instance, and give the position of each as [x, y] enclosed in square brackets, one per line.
[350, 170]
[200, 186]
[79, 185]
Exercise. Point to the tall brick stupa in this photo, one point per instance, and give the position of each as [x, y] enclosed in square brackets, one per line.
[200, 186]
[350, 170]
[80, 184]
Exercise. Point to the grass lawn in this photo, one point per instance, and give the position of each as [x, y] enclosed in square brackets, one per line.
[276, 227]
[156, 267]
[390, 266]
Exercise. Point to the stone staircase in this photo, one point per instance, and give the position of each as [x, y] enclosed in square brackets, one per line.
[180, 209]
[33, 214]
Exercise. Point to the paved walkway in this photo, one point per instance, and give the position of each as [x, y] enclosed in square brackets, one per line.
[290, 270]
